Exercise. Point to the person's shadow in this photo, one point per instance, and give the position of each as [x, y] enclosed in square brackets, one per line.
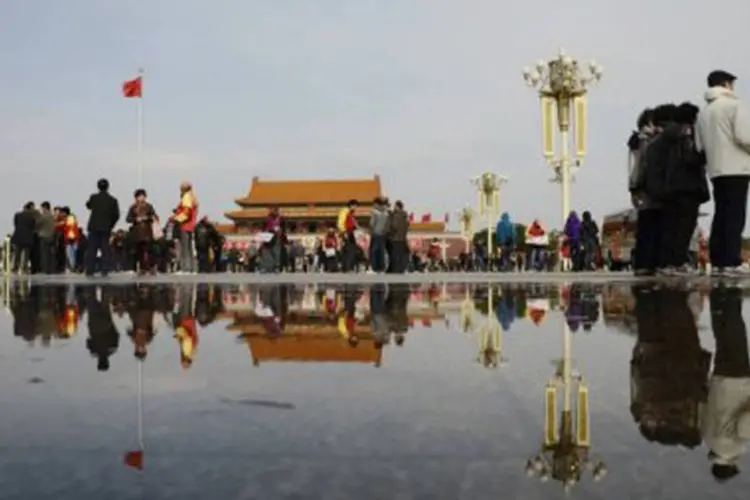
[726, 427]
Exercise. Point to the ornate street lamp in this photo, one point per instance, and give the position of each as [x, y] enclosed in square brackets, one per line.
[563, 84]
[564, 454]
[467, 216]
[488, 190]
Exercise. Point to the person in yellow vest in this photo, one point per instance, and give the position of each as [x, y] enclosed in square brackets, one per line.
[71, 235]
[186, 217]
[347, 225]
[186, 334]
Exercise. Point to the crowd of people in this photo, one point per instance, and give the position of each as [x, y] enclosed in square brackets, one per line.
[673, 151]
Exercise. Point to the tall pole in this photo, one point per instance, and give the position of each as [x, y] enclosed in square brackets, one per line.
[140, 166]
[565, 174]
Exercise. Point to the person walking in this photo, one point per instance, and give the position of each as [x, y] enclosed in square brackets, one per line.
[723, 133]
[104, 213]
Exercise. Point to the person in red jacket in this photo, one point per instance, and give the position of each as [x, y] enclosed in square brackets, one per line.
[186, 217]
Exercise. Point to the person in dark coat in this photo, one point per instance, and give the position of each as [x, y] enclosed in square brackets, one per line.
[24, 231]
[105, 212]
[141, 217]
[589, 241]
[398, 230]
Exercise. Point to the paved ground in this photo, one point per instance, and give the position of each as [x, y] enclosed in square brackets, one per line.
[316, 278]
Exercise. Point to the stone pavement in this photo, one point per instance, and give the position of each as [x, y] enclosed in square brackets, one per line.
[321, 278]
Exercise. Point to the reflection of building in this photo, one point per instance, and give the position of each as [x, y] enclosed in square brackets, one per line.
[318, 327]
[309, 206]
[306, 337]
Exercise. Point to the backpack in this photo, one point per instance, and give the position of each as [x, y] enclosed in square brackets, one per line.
[341, 222]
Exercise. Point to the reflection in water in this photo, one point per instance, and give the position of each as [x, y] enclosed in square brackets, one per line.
[669, 368]
[677, 397]
[727, 420]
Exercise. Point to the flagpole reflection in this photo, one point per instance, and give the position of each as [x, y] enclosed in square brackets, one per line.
[134, 458]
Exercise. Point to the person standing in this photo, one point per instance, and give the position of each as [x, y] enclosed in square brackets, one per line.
[24, 226]
[648, 230]
[45, 230]
[186, 217]
[347, 226]
[141, 218]
[680, 187]
[398, 230]
[104, 214]
[378, 230]
[723, 133]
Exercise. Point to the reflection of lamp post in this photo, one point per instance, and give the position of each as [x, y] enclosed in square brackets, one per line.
[467, 312]
[565, 450]
[488, 189]
[563, 84]
[491, 337]
[467, 226]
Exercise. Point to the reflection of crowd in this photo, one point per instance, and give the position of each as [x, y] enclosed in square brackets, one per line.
[674, 400]
[43, 314]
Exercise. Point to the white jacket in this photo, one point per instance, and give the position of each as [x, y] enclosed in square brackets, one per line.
[726, 423]
[723, 132]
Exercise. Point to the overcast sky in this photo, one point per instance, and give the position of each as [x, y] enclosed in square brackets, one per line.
[426, 93]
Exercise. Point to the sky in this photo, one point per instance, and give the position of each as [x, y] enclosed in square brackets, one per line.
[425, 93]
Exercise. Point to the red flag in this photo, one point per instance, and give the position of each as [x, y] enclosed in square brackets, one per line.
[134, 459]
[411, 217]
[426, 217]
[133, 88]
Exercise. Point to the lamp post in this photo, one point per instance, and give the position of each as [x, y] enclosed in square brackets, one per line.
[488, 189]
[467, 217]
[563, 84]
[565, 448]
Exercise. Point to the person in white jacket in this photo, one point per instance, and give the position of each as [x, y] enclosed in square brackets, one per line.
[726, 422]
[723, 133]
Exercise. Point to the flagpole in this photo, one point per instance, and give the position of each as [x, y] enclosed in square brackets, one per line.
[140, 132]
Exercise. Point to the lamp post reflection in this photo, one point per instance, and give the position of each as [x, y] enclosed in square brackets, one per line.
[467, 312]
[564, 455]
[491, 337]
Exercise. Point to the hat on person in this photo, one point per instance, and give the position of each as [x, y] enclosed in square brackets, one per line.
[720, 78]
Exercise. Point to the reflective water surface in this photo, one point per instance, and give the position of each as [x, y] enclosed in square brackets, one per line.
[395, 391]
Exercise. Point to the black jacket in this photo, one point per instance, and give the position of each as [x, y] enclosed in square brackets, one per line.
[24, 228]
[675, 170]
[105, 212]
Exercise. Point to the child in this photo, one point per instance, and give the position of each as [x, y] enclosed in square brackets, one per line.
[566, 263]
